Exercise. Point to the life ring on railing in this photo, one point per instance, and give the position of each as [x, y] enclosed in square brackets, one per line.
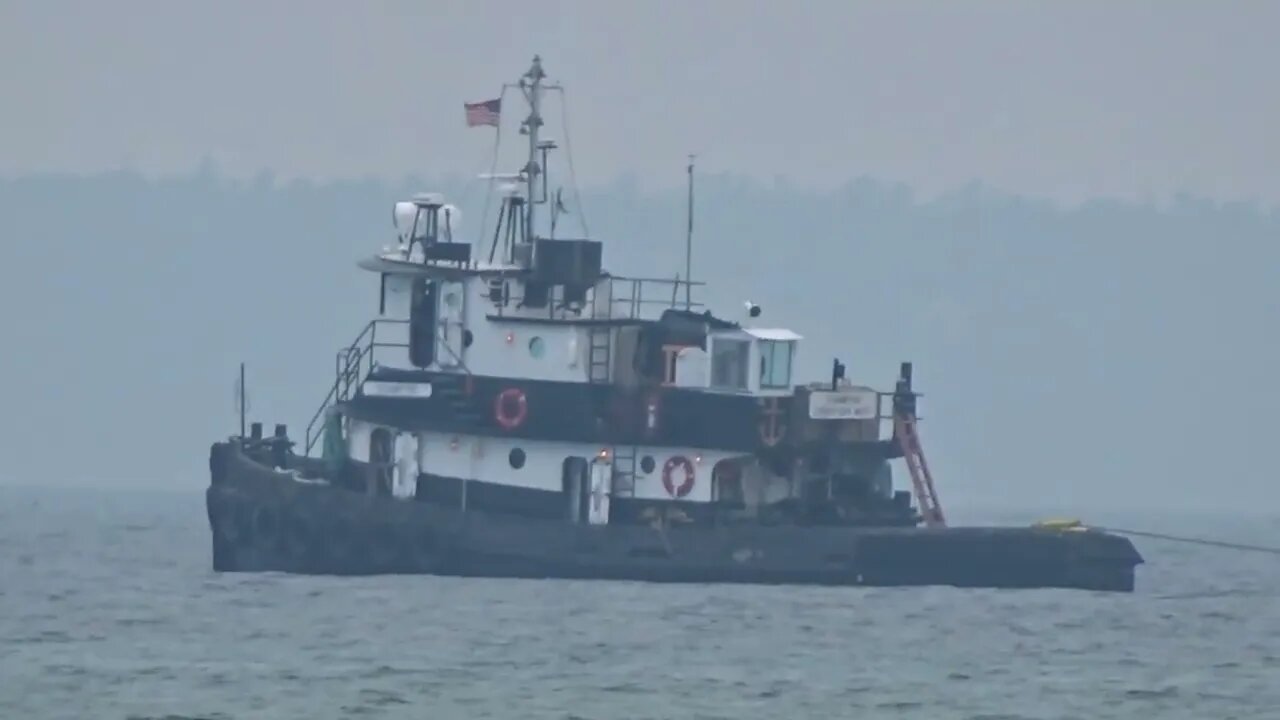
[510, 408]
[668, 482]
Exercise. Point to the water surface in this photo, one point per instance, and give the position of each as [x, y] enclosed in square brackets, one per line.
[109, 609]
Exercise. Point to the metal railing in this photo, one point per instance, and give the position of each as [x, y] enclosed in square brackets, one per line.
[352, 364]
[349, 366]
[662, 292]
[614, 297]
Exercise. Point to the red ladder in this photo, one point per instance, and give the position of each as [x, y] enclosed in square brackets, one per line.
[921, 478]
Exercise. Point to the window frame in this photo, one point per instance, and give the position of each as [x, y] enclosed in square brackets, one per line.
[769, 356]
[741, 359]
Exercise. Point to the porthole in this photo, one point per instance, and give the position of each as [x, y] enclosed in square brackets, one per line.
[536, 346]
[467, 338]
[647, 464]
[516, 458]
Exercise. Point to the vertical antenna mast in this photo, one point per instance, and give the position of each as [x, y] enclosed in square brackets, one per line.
[688, 245]
[531, 86]
[240, 401]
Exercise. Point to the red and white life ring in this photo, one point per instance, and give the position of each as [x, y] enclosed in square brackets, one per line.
[510, 408]
[668, 482]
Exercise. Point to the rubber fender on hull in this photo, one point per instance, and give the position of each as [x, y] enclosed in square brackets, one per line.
[233, 521]
[266, 527]
[297, 538]
[386, 551]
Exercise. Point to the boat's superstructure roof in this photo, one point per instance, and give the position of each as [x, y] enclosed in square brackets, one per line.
[395, 262]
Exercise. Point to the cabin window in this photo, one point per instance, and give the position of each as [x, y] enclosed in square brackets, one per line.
[775, 363]
[537, 347]
[669, 355]
[516, 458]
[729, 363]
[422, 323]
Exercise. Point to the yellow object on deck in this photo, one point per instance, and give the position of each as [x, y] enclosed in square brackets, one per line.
[1061, 524]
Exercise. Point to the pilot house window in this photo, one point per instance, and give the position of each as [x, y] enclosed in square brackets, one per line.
[729, 363]
[775, 363]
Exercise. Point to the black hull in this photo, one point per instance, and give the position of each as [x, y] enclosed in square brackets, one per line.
[263, 520]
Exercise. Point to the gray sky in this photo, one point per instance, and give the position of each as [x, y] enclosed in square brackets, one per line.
[1068, 100]
[1032, 323]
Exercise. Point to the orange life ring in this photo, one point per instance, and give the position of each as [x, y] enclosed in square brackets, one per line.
[503, 411]
[668, 468]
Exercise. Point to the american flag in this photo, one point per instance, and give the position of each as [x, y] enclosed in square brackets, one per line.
[483, 113]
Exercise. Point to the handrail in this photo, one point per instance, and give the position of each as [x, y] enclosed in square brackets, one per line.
[676, 281]
[349, 371]
[636, 302]
[343, 371]
[329, 399]
[626, 293]
[455, 357]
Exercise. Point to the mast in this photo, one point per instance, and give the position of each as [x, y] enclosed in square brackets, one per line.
[531, 86]
[688, 246]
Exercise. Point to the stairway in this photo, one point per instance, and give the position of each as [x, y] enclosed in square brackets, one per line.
[921, 478]
[599, 353]
[624, 470]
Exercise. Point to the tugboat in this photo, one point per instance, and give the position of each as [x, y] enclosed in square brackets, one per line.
[519, 411]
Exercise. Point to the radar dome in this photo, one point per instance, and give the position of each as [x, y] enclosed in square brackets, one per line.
[402, 216]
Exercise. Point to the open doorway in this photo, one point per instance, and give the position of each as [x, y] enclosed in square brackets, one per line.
[726, 484]
[381, 461]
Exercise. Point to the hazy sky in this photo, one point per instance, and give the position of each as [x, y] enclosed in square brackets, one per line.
[1071, 99]
[1039, 319]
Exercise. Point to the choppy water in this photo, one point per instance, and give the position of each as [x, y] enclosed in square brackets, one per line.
[108, 609]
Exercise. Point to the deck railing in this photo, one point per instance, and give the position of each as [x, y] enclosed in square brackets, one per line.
[638, 294]
[351, 365]
[617, 298]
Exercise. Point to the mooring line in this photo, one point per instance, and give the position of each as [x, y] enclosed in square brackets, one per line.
[1193, 540]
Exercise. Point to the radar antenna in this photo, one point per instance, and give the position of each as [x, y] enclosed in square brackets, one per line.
[519, 210]
[688, 244]
[532, 87]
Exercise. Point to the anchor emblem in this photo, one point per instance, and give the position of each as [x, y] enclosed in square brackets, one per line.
[772, 425]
